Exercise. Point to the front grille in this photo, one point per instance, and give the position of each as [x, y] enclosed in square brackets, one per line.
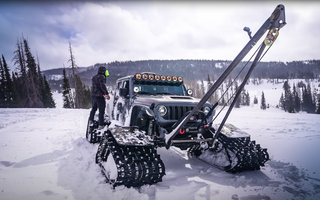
[177, 112]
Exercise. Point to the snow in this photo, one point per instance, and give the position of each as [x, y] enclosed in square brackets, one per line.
[44, 155]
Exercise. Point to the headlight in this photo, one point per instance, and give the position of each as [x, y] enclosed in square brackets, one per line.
[162, 110]
[206, 110]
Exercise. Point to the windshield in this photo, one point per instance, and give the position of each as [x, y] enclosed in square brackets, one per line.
[160, 89]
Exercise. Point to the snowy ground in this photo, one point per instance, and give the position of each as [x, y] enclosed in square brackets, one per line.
[44, 155]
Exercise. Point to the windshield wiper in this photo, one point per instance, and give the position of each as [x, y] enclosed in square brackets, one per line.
[164, 93]
[145, 93]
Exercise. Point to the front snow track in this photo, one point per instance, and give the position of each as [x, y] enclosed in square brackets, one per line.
[235, 152]
[131, 165]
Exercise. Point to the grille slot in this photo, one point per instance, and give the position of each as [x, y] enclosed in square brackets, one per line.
[176, 112]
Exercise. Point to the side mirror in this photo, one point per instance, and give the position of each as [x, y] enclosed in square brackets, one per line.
[124, 92]
[190, 92]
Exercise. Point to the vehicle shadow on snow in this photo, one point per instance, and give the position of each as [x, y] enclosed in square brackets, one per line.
[276, 175]
[182, 169]
[36, 160]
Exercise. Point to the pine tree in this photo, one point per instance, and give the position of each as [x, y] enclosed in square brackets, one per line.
[255, 100]
[281, 102]
[66, 92]
[87, 97]
[247, 99]
[34, 98]
[288, 98]
[308, 103]
[214, 97]
[9, 91]
[223, 102]
[244, 98]
[48, 100]
[263, 105]
[21, 77]
[2, 86]
[29, 80]
[318, 106]
[15, 85]
[314, 99]
[202, 88]
[297, 100]
[237, 104]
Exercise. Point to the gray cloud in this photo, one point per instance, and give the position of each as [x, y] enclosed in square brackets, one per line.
[103, 32]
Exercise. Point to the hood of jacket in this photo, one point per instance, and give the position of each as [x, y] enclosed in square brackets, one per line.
[102, 70]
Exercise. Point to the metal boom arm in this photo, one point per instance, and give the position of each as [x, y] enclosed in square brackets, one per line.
[274, 23]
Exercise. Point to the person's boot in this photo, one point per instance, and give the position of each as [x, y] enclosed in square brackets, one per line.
[107, 123]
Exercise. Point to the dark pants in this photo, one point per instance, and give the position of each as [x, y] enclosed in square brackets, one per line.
[98, 102]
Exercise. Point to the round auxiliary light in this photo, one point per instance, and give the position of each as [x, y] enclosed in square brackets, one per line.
[144, 76]
[136, 89]
[138, 76]
[162, 110]
[169, 78]
[180, 79]
[163, 78]
[175, 79]
[151, 77]
[157, 77]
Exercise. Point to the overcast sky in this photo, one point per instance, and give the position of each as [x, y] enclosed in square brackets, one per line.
[104, 31]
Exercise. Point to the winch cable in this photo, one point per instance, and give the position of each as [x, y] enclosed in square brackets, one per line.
[237, 77]
[232, 84]
[257, 59]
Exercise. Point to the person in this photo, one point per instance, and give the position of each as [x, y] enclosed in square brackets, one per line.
[98, 94]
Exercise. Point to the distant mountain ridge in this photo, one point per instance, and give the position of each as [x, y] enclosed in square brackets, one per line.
[191, 70]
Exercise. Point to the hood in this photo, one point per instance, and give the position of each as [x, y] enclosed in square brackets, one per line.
[166, 99]
[102, 70]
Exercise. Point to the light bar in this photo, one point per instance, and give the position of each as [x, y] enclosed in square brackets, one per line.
[152, 77]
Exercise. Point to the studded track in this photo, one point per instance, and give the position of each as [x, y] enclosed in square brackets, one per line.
[249, 155]
[135, 165]
[233, 152]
